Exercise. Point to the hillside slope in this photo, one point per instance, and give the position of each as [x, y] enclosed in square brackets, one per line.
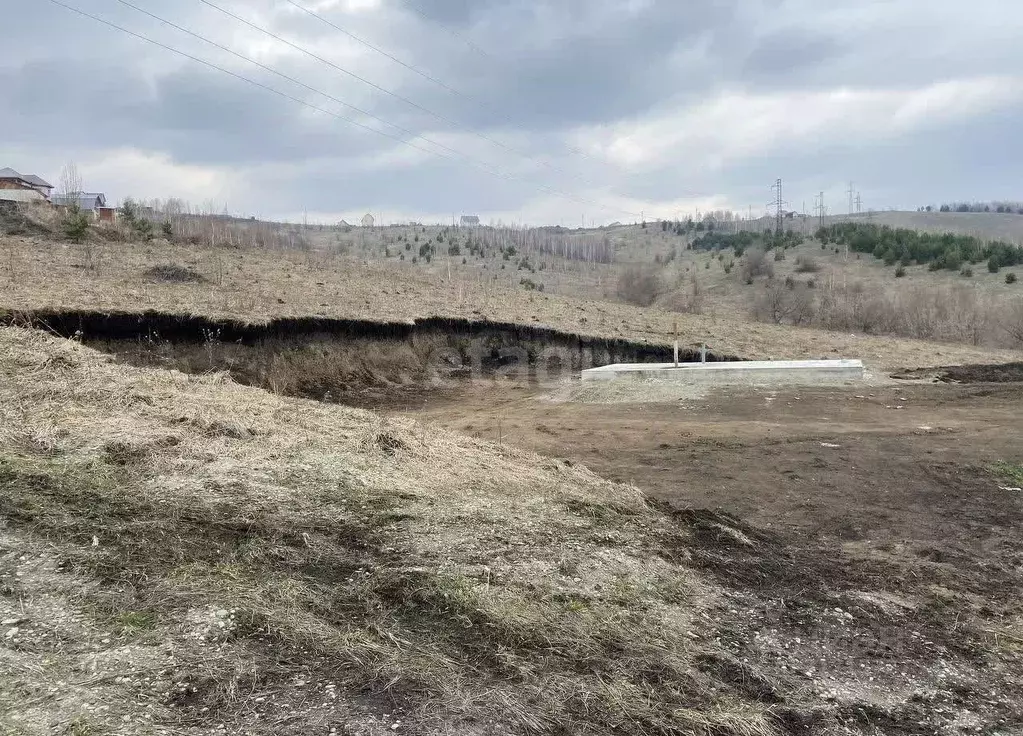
[190, 553]
[255, 285]
[184, 555]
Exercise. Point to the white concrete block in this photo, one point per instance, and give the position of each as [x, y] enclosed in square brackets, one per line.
[754, 372]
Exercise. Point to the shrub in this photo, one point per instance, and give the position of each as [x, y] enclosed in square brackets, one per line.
[779, 254]
[993, 265]
[1010, 278]
[639, 286]
[144, 229]
[790, 303]
[900, 272]
[454, 250]
[167, 229]
[755, 264]
[76, 224]
[805, 264]
[967, 272]
[131, 214]
[530, 285]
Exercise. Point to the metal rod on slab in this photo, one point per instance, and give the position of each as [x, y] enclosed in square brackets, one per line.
[676, 343]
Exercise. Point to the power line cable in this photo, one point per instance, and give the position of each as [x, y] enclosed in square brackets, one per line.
[482, 166]
[416, 70]
[292, 79]
[468, 41]
[438, 116]
[381, 51]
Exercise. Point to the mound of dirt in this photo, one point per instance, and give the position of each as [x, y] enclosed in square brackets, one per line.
[1004, 373]
[977, 373]
[174, 273]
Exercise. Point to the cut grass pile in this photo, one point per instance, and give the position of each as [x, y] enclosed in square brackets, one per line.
[256, 285]
[275, 545]
[174, 273]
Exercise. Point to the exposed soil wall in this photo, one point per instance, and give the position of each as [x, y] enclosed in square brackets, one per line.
[341, 360]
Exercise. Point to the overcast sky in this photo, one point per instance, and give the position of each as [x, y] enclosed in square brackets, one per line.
[538, 111]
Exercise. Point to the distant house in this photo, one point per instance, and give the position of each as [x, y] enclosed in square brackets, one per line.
[23, 187]
[368, 221]
[91, 202]
[470, 221]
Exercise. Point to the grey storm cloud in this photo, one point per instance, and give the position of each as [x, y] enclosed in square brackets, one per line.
[629, 104]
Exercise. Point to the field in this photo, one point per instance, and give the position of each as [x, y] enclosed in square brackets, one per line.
[254, 285]
[490, 553]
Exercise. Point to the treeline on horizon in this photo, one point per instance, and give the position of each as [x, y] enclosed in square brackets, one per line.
[1008, 208]
[890, 244]
[906, 247]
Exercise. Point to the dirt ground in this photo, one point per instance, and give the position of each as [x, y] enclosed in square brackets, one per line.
[879, 552]
[896, 459]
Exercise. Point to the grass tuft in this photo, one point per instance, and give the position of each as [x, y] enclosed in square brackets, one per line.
[1010, 471]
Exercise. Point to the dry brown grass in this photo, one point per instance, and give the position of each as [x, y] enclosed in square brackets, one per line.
[470, 585]
[257, 285]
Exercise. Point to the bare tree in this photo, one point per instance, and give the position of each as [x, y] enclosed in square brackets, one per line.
[70, 183]
[76, 223]
[1013, 322]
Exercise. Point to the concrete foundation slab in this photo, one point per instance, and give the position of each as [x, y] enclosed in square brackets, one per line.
[756, 371]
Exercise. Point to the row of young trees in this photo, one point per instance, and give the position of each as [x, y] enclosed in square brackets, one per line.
[593, 247]
[1002, 207]
[904, 246]
[742, 240]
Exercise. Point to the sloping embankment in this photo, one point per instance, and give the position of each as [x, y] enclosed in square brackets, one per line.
[337, 359]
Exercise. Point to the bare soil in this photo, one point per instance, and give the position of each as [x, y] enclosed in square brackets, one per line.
[874, 551]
